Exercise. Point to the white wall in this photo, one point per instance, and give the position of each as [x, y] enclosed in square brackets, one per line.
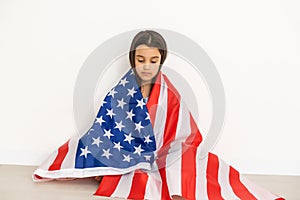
[255, 46]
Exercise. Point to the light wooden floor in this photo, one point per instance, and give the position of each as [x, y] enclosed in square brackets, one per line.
[16, 183]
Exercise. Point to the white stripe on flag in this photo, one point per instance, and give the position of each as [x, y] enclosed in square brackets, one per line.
[161, 114]
[154, 186]
[123, 188]
[173, 171]
[174, 158]
[201, 181]
[223, 177]
[48, 162]
[44, 167]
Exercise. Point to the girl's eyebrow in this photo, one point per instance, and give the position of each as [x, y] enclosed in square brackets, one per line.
[144, 57]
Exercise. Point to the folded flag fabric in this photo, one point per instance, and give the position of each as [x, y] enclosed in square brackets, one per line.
[147, 150]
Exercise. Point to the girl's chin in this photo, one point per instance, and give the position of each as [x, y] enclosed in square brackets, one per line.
[146, 81]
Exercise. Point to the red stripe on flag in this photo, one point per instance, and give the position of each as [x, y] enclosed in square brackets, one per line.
[153, 99]
[188, 172]
[213, 186]
[172, 114]
[62, 152]
[138, 187]
[195, 138]
[165, 195]
[37, 177]
[237, 186]
[188, 162]
[108, 185]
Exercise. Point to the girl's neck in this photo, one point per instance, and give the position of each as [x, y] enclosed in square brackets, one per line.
[145, 89]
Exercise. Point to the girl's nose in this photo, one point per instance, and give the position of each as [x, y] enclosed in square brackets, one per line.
[147, 66]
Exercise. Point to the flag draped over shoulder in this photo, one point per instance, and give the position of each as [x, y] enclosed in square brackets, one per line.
[147, 150]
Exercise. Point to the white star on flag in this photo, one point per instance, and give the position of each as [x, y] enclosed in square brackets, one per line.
[85, 151]
[106, 153]
[130, 115]
[141, 103]
[121, 103]
[90, 131]
[97, 141]
[123, 82]
[127, 158]
[148, 116]
[100, 120]
[138, 126]
[118, 146]
[103, 102]
[119, 125]
[131, 92]
[112, 93]
[138, 150]
[110, 112]
[147, 139]
[128, 138]
[108, 133]
[147, 158]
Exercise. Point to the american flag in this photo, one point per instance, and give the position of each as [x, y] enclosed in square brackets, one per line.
[120, 140]
[148, 151]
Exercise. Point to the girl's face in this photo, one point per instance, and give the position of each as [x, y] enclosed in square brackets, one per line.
[147, 61]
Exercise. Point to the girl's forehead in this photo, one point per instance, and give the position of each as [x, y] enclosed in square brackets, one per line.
[146, 50]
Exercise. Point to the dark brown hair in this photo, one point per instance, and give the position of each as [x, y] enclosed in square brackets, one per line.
[151, 39]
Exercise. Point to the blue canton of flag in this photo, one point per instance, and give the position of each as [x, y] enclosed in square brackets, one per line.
[122, 134]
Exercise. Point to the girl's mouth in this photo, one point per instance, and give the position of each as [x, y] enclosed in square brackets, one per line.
[146, 73]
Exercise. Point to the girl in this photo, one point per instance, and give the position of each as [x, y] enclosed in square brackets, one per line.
[144, 142]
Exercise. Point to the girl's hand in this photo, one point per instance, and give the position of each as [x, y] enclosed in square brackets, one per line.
[98, 178]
